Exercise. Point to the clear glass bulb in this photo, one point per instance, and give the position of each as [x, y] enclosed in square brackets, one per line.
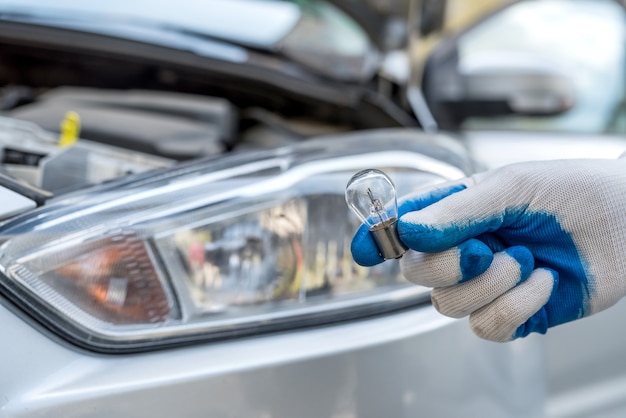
[372, 197]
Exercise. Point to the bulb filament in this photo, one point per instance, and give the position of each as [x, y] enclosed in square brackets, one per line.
[377, 206]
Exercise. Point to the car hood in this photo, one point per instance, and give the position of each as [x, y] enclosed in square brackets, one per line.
[221, 29]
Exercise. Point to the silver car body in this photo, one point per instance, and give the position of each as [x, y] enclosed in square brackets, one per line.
[406, 364]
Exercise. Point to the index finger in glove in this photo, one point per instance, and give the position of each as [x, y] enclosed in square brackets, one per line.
[518, 311]
[509, 268]
[455, 265]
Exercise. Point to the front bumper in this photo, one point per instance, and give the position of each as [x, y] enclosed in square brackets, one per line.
[412, 363]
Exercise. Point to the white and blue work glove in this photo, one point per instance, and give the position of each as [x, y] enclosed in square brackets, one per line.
[519, 249]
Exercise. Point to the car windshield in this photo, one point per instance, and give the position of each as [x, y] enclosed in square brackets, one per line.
[313, 33]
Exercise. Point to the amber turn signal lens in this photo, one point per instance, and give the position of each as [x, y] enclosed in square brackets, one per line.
[117, 284]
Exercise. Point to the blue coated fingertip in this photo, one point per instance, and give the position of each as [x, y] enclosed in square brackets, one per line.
[539, 322]
[525, 259]
[475, 258]
[364, 250]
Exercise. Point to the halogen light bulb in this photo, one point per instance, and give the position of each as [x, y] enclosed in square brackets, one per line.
[372, 197]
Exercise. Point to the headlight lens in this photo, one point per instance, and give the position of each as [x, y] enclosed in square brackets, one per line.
[241, 245]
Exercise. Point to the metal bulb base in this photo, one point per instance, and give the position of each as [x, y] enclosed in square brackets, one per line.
[386, 237]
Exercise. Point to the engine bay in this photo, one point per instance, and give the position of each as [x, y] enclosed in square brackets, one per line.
[137, 106]
[121, 132]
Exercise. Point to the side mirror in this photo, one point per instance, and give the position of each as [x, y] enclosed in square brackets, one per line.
[495, 84]
[550, 65]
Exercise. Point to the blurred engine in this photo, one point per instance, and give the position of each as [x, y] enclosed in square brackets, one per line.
[32, 155]
[127, 131]
[172, 125]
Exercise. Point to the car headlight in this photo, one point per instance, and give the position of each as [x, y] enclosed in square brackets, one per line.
[234, 246]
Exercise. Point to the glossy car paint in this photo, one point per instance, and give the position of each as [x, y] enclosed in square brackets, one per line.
[586, 371]
[415, 363]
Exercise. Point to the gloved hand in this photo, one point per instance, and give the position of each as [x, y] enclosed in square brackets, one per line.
[519, 249]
